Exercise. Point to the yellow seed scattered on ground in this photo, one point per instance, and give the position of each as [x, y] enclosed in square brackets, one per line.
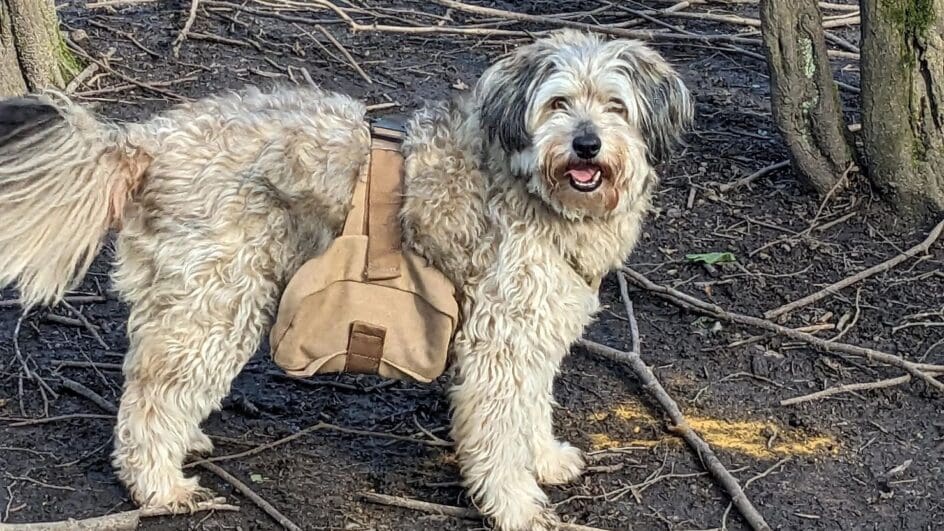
[748, 437]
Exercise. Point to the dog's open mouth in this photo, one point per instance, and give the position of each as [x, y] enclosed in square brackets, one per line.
[585, 177]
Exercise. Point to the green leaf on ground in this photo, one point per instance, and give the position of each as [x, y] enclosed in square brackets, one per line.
[711, 258]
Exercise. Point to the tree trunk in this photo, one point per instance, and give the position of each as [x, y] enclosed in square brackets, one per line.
[32, 53]
[804, 99]
[903, 101]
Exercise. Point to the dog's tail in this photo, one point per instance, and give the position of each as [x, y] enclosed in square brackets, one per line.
[65, 178]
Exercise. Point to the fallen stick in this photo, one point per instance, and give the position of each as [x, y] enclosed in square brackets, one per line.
[680, 426]
[347, 55]
[382, 106]
[921, 371]
[191, 18]
[311, 429]
[88, 325]
[87, 393]
[123, 521]
[832, 289]
[839, 7]
[446, 510]
[21, 422]
[69, 364]
[356, 26]
[615, 31]
[249, 493]
[765, 473]
[847, 388]
[711, 17]
[77, 299]
[842, 43]
[102, 65]
[82, 77]
[842, 21]
[725, 187]
[117, 3]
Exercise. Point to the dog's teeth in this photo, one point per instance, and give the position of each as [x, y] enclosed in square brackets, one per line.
[597, 175]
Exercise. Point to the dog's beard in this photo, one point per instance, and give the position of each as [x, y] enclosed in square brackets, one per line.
[574, 188]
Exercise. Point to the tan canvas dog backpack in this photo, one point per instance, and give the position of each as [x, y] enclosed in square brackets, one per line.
[366, 305]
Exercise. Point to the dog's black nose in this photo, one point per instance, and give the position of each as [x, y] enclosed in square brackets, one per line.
[587, 145]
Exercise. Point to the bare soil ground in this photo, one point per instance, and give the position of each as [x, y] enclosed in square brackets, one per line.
[827, 462]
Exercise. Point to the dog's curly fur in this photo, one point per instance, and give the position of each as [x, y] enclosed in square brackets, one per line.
[219, 201]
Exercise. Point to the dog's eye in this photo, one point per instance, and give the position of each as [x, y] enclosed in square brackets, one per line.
[559, 104]
[617, 106]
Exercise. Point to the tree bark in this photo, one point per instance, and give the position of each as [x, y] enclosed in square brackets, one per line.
[804, 98]
[32, 53]
[11, 79]
[903, 101]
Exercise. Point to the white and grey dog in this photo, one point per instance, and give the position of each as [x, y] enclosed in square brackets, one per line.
[525, 192]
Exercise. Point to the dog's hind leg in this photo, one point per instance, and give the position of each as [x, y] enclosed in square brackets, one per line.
[184, 357]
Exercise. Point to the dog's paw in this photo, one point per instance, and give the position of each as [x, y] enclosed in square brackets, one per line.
[558, 463]
[181, 497]
[520, 505]
[534, 517]
[200, 444]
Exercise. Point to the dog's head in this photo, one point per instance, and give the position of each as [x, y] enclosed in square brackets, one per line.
[583, 120]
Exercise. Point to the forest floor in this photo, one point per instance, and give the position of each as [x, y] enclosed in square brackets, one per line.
[856, 460]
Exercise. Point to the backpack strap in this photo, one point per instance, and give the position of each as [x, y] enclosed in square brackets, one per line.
[375, 205]
[384, 198]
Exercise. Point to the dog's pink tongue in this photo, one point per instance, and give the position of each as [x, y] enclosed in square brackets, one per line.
[583, 175]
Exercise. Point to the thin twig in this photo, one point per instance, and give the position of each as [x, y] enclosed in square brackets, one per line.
[69, 364]
[618, 32]
[249, 493]
[77, 299]
[874, 270]
[382, 106]
[765, 473]
[88, 325]
[730, 40]
[29, 373]
[191, 18]
[87, 393]
[104, 66]
[842, 21]
[679, 426]
[842, 43]
[123, 521]
[346, 54]
[726, 187]
[847, 388]
[921, 371]
[446, 510]
[19, 423]
[311, 429]
[117, 3]
[82, 77]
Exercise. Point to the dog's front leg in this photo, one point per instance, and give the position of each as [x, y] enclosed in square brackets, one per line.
[500, 395]
[555, 462]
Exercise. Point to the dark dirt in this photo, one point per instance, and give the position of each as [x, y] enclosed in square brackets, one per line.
[828, 460]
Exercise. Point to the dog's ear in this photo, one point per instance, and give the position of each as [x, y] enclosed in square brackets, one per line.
[665, 105]
[504, 93]
[22, 117]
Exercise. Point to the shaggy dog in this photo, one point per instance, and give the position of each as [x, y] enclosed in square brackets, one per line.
[525, 193]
